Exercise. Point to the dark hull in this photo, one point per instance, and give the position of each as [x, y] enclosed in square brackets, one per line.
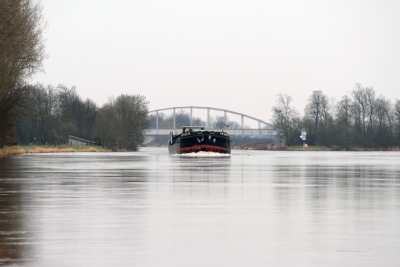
[218, 142]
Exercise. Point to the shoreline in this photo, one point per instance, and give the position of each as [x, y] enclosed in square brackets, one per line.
[280, 147]
[20, 150]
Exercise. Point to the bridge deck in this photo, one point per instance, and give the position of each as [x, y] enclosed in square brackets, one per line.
[249, 132]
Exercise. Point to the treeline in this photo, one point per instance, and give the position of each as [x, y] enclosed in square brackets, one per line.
[360, 119]
[48, 115]
[182, 118]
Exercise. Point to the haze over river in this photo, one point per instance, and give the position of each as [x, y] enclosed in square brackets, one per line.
[255, 208]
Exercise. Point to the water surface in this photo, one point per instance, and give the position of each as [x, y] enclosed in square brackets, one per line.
[255, 208]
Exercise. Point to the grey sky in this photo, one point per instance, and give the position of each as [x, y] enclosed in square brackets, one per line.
[235, 55]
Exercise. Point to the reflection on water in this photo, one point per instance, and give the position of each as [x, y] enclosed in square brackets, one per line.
[255, 208]
[12, 235]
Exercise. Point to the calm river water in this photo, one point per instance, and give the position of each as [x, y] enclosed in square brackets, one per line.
[255, 208]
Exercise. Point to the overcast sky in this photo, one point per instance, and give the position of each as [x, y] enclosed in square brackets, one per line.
[235, 55]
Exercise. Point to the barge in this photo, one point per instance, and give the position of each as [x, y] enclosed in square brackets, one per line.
[194, 139]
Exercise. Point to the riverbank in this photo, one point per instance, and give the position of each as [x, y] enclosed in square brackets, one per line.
[277, 147]
[258, 146]
[19, 150]
[280, 147]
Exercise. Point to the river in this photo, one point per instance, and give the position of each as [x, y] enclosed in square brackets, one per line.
[254, 208]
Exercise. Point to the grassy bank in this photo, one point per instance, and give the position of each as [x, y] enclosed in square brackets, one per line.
[280, 147]
[268, 146]
[19, 150]
[310, 148]
[257, 146]
[337, 148]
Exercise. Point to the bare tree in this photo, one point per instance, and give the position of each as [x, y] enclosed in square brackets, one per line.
[383, 135]
[396, 121]
[131, 112]
[121, 123]
[363, 101]
[284, 117]
[360, 106]
[370, 97]
[316, 110]
[68, 112]
[21, 55]
[105, 126]
[40, 105]
[343, 120]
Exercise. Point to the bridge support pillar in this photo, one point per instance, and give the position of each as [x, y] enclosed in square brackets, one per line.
[157, 121]
[191, 116]
[174, 119]
[242, 126]
[208, 118]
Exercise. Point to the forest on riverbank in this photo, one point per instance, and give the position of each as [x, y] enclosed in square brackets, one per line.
[360, 119]
[48, 115]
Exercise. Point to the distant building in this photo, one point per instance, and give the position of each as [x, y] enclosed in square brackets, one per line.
[76, 141]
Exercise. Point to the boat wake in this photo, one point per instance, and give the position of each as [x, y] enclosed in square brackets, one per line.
[202, 154]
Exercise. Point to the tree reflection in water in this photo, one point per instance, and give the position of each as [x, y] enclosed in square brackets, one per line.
[12, 232]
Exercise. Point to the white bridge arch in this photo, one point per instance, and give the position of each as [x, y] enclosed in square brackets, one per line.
[264, 128]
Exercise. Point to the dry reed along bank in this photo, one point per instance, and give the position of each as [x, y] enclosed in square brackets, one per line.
[19, 150]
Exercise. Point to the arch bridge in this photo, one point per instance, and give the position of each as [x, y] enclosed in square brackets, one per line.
[264, 128]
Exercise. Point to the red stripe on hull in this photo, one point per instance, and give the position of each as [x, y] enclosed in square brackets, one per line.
[205, 148]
